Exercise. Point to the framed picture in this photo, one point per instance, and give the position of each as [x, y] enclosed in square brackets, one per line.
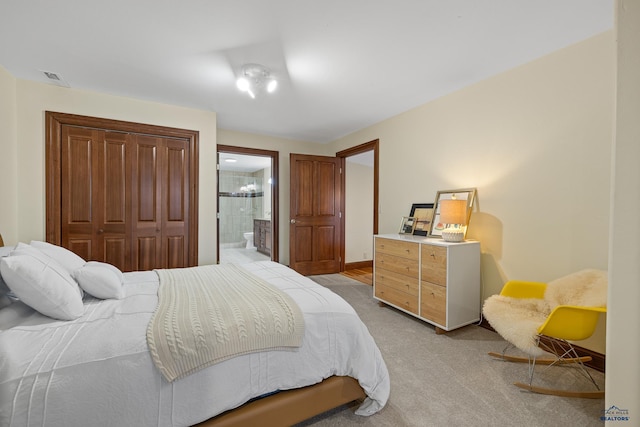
[468, 194]
[423, 213]
[407, 225]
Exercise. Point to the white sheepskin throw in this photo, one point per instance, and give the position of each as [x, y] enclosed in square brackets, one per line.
[586, 288]
[517, 319]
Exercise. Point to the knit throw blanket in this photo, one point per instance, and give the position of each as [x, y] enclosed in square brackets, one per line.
[211, 313]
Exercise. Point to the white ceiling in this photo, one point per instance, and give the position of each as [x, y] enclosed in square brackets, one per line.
[341, 64]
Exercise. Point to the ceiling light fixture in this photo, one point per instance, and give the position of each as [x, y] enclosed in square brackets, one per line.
[255, 78]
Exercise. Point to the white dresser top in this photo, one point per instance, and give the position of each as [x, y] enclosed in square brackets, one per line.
[423, 239]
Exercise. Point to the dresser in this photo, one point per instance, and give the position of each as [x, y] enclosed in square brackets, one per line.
[433, 280]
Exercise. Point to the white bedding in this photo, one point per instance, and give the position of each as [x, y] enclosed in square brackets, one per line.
[97, 370]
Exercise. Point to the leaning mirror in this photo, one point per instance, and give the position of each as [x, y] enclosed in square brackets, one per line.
[452, 213]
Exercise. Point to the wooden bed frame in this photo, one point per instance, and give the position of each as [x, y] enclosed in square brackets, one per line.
[289, 407]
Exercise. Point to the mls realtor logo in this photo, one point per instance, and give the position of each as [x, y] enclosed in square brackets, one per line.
[615, 414]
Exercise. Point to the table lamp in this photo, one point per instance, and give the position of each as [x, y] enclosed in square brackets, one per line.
[453, 213]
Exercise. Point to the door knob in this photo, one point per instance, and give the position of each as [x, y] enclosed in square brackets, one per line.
[293, 221]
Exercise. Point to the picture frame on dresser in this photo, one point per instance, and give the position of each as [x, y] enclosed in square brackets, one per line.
[468, 194]
[407, 225]
[423, 213]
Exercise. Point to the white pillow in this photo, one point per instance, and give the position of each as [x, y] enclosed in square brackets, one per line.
[63, 256]
[44, 286]
[101, 280]
[24, 249]
[5, 300]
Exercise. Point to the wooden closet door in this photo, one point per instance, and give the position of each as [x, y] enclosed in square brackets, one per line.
[175, 203]
[160, 202]
[146, 192]
[122, 192]
[95, 195]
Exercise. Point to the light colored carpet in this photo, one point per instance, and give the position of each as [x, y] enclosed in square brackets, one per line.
[449, 380]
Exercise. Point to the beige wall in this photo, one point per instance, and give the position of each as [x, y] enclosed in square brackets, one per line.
[33, 99]
[22, 146]
[623, 345]
[359, 212]
[8, 157]
[536, 142]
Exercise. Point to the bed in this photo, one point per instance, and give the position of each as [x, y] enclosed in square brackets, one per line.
[97, 368]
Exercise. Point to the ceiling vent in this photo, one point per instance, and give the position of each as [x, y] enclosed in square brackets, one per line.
[55, 78]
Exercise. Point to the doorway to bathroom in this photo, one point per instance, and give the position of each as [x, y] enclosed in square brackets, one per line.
[247, 208]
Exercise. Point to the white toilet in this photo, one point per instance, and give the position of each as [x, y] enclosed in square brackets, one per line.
[249, 238]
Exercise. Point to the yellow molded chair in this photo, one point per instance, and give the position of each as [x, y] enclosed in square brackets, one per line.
[564, 310]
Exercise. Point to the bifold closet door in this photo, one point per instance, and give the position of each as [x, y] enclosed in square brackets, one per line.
[175, 204]
[122, 192]
[125, 198]
[160, 196]
[95, 205]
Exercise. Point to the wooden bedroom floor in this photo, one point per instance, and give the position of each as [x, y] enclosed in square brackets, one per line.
[364, 275]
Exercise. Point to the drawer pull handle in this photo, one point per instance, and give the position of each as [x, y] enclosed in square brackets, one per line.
[433, 254]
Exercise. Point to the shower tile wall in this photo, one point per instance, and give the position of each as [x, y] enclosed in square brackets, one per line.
[238, 211]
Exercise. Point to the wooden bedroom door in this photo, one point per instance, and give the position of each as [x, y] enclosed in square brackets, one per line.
[315, 214]
[95, 196]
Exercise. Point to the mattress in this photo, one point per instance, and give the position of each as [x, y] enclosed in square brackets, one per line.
[97, 369]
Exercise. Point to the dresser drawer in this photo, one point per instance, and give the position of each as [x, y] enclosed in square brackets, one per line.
[433, 305]
[399, 248]
[397, 298]
[397, 281]
[396, 264]
[434, 264]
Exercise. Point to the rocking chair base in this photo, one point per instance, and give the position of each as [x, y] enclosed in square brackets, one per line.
[519, 359]
[563, 393]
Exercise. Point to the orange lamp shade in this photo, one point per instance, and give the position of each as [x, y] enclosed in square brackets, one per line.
[453, 211]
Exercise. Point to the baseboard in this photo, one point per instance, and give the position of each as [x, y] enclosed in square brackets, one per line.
[358, 264]
[598, 360]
